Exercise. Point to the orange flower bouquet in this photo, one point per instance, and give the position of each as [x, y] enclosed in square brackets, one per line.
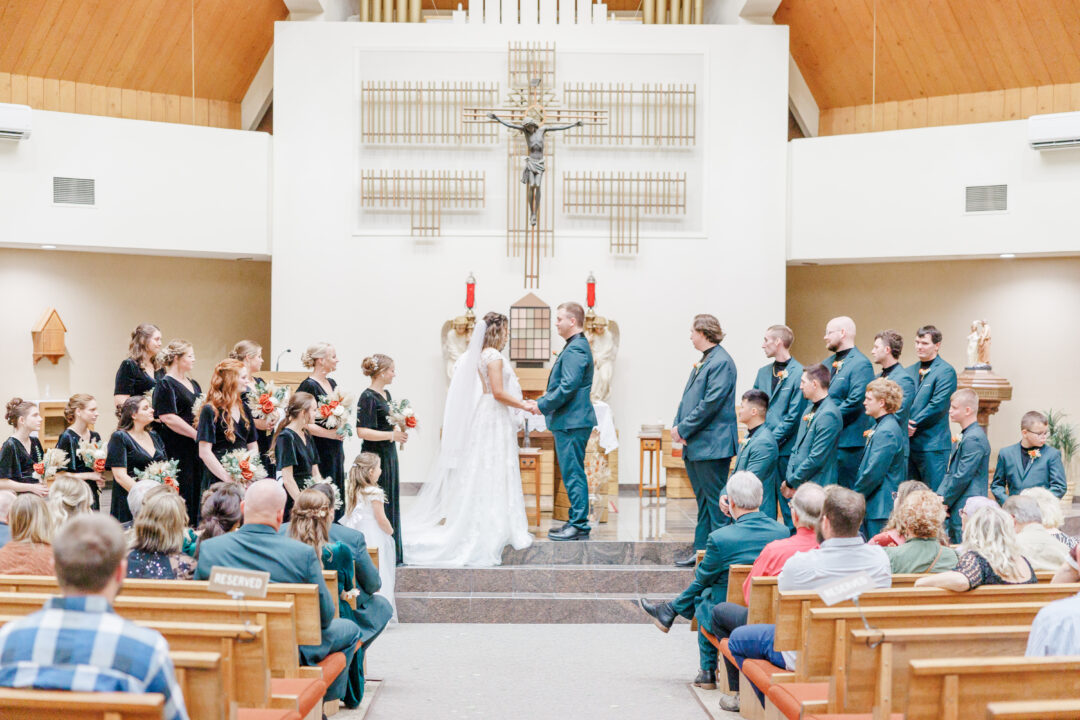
[92, 454]
[335, 413]
[48, 465]
[243, 466]
[162, 471]
[266, 400]
[402, 416]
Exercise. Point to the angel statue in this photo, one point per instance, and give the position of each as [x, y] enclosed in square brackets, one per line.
[455, 339]
[533, 129]
[978, 347]
[603, 336]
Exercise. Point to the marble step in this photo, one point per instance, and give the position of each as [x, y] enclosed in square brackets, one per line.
[546, 579]
[525, 608]
[598, 552]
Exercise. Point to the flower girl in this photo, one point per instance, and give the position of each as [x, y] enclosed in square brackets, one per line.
[365, 511]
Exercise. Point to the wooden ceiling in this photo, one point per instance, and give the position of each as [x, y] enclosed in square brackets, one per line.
[140, 44]
[928, 48]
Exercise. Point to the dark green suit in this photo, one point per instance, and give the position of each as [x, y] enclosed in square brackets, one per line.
[967, 474]
[786, 408]
[1010, 475]
[900, 375]
[883, 468]
[737, 544]
[930, 413]
[847, 389]
[759, 455]
[570, 418]
[259, 547]
[814, 456]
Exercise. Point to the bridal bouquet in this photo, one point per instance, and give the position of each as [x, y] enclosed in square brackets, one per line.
[243, 466]
[312, 482]
[335, 413]
[47, 466]
[267, 399]
[401, 416]
[162, 471]
[92, 454]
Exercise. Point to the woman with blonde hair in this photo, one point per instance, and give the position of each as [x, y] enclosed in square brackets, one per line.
[365, 511]
[989, 555]
[159, 536]
[21, 451]
[1052, 516]
[68, 497]
[920, 519]
[249, 352]
[29, 551]
[174, 406]
[131, 448]
[139, 371]
[81, 413]
[891, 536]
[321, 358]
[225, 423]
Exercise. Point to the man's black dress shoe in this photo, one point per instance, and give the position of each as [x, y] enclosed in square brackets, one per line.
[662, 613]
[568, 532]
[688, 561]
[706, 679]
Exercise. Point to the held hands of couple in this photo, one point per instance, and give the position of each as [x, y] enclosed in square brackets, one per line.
[532, 407]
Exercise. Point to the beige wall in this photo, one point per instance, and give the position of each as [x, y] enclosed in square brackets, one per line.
[101, 297]
[1031, 305]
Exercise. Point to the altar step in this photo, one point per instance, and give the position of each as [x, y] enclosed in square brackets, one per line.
[545, 579]
[598, 552]
[524, 608]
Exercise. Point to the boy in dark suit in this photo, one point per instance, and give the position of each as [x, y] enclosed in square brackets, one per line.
[1029, 463]
[884, 463]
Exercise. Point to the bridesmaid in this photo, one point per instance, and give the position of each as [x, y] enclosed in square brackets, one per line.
[225, 423]
[374, 428]
[174, 401]
[131, 448]
[20, 451]
[139, 372]
[250, 353]
[294, 450]
[321, 359]
[81, 413]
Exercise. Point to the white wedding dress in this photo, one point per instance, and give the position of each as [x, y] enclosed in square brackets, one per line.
[472, 505]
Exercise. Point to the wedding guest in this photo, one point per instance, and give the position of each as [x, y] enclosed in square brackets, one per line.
[990, 555]
[884, 462]
[21, 451]
[705, 424]
[131, 448]
[928, 426]
[6, 499]
[29, 552]
[225, 423]
[138, 493]
[159, 536]
[758, 452]
[1055, 629]
[920, 519]
[738, 543]
[294, 452]
[968, 465]
[850, 371]
[888, 344]
[1041, 549]
[813, 457]
[1052, 515]
[250, 353]
[379, 436]
[81, 413]
[890, 535]
[781, 380]
[365, 511]
[221, 512]
[139, 372]
[68, 498]
[321, 358]
[174, 402]
[1030, 463]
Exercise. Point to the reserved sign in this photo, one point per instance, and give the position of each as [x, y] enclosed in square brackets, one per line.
[846, 588]
[234, 581]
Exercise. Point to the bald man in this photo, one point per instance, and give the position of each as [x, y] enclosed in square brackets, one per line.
[257, 546]
[968, 470]
[851, 372]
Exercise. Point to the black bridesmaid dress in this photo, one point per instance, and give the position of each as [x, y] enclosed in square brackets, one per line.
[213, 432]
[331, 452]
[125, 452]
[299, 453]
[171, 397]
[372, 412]
[69, 443]
[131, 379]
[17, 464]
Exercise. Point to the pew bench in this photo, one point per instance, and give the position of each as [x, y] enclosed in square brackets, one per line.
[1034, 710]
[200, 677]
[52, 704]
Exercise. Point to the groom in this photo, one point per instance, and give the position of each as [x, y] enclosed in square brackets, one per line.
[569, 413]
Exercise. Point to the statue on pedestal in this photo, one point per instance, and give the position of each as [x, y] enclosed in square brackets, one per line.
[455, 339]
[978, 347]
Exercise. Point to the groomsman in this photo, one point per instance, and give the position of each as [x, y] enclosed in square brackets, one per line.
[1030, 462]
[758, 452]
[780, 380]
[928, 424]
[705, 424]
[884, 464]
[851, 372]
[968, 463]
[813, 458]
[888, 344]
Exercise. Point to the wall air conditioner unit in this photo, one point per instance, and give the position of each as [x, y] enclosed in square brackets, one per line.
[1052, 132]
[14, 121]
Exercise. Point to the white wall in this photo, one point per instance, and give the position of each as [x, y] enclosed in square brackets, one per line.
[373, 288]
[900, 195]
[161, 188]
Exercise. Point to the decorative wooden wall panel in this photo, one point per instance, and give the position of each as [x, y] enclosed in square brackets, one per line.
[425, 193]
[654, 115]
[624, 197]
[425, 112]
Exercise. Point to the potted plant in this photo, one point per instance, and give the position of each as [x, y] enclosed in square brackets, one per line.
[1063, 437]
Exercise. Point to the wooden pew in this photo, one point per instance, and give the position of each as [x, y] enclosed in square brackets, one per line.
[1034, 710]
[53, 704]
[737, 575]
[200, 677]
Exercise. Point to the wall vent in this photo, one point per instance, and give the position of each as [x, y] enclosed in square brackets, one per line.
[986, 198]
[73, 191]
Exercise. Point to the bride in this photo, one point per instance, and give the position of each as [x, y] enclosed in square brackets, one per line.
[472, 505]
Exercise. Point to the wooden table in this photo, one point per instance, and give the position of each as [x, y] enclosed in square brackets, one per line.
[650, 444]
[529, 462]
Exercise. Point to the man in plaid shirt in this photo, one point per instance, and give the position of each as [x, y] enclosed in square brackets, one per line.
[76, 642]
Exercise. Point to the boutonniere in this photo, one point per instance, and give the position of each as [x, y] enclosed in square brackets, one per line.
[697, 366]
[868, 434]
[837, 364]
[957, 438]
[743, 441]
[780, 374]
[923, 371]
[1034, 453]
[808, 417]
